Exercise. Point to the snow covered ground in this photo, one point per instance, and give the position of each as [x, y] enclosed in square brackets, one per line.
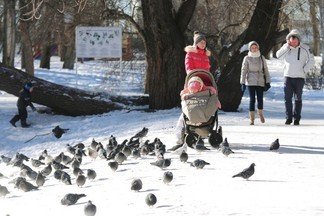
[287, 182]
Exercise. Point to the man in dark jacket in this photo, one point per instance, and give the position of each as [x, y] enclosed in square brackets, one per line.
[24, 100]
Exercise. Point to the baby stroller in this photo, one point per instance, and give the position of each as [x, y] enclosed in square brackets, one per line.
[200, 112]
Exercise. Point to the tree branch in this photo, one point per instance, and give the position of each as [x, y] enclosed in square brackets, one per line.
[116, 15]
[184, 14]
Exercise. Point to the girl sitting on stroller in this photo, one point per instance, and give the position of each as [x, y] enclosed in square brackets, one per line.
[195, 84]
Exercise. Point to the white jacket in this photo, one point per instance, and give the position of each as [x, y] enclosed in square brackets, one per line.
[298, 61]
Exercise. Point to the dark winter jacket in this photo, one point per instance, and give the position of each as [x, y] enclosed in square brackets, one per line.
[24, 99]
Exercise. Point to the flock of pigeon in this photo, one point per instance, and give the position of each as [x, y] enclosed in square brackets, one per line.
[68, 163]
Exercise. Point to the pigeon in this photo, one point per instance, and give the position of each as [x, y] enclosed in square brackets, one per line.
[167, 177]
[120, 157]
[162, 163]
[127, 151]
[76, 162]
[90, 209]
[58, 132]
[3, 191]
[57, 174]
[29, 172]
[5, 159]
[220, 130]
[246, 173]
[58, 166]
[136, 185]
[91, 174]
[76, 171]
[183, 156]
[224, 143]
[94, 144]
[150, 199]
[47, 170]
[226, 150]
[136, 153]
[70, 199]
[93, 154]
[66, 159]
[79, 146]
[102, 153]
[275, 145]
[113, 165]
[141, 134]
[80, 180]
[21, 157]
[199, 164]
[25, 186]
[199, 147]
[36, 163]
[40, 179]
[65, 178]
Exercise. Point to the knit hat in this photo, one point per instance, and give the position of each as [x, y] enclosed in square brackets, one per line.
[28, 86]
[294, 33]
[195, 84]
[253, 43]
[198, 37]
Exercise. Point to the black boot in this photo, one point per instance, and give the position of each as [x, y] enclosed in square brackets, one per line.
[14, 120]
[288, 121]
[24, 124]
[296, 122]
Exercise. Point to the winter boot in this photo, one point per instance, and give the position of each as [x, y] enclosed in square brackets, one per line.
[252, 116]
[24, 124]
[14, 120]
[288, 121]
[260, 112]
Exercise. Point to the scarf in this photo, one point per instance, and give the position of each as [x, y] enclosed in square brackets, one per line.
[254, 54]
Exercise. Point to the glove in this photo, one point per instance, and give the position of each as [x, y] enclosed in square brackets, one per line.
[267, 87]
[243, 87]
[34, 109]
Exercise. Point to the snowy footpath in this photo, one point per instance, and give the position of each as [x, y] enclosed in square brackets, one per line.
[289, 181]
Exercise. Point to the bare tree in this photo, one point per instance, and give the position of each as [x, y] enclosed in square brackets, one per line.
[26, 41]
[9, 29]
[262, 28]
[321, 5]
[315, 26]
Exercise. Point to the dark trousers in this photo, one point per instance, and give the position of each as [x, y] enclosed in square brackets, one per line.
[258, 91]
[22, 116]
[293, 88]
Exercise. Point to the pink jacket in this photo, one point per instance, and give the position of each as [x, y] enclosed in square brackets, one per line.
[196, 59]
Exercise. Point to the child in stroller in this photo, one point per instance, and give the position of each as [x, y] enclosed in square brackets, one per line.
[199, 102]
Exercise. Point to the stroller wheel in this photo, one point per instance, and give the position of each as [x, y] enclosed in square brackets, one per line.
[190, 139]
[215, 139]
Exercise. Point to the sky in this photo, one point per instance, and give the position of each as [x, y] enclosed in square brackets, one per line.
[289, 181]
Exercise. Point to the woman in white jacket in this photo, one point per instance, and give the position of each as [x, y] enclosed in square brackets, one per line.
[255, 75]
[298, 61]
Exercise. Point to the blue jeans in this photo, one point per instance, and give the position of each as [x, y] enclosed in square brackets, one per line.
[258, 90]
[293, 88]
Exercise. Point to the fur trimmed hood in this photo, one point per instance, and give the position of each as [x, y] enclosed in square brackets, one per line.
[191, 48]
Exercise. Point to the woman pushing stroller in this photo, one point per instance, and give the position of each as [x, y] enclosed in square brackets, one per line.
[198, 79]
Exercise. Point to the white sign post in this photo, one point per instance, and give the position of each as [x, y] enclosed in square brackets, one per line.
[98, 42]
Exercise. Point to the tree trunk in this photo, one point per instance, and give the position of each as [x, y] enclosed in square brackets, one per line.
[315, 27]
[46, 52]
[321, 4]
[69, 43]
[62, 99]
[164, 44]
[27, 47]
[262, 28]
[9, 29]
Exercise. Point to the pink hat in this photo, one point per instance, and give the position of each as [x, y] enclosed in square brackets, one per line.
[195, 84]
